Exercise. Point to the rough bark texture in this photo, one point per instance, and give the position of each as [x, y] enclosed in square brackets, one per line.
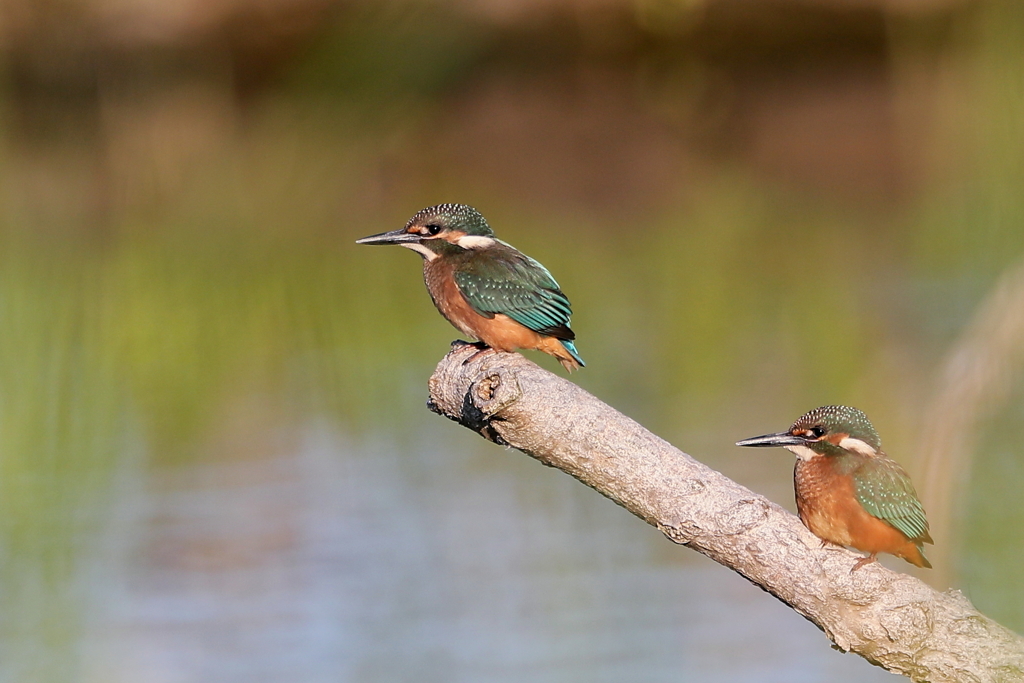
[893, 620]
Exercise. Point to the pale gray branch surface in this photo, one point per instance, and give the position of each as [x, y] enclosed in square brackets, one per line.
[891, 619]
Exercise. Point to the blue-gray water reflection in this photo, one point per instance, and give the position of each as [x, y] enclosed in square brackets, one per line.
[364, 560]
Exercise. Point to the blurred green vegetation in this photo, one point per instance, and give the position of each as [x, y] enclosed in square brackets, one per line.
[728, 307]
[62, 424]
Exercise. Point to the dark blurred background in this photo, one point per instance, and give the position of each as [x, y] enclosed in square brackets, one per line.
[215, 460]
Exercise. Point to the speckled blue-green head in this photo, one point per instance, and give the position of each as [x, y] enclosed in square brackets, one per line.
[441, 230]
[832, 420]
[828, 430]
[452, 217]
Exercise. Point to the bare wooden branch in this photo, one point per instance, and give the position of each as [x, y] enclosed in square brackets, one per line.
[891, 619]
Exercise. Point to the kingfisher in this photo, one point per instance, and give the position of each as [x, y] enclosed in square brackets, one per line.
[487, 289]
[848, 491]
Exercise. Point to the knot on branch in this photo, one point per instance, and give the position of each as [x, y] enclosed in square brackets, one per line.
[743, 515]
[473, 389]
[733, 520]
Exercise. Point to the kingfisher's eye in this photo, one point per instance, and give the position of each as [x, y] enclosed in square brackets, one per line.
[433, 229]
[817, 431]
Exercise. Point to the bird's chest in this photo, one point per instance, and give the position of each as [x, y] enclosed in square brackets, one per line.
[826, 500]
[439, 277]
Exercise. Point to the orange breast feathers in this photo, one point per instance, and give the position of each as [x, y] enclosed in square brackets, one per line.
[828, 506]
[439, 277]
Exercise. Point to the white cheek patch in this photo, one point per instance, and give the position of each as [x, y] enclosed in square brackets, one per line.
[802, 452]
[420, 249]
[857, 446]
[475, 242]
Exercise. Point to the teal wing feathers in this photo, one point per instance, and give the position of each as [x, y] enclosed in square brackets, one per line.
[511, 283]
[886, 492]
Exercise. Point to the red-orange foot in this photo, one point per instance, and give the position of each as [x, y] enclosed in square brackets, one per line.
[863, 561]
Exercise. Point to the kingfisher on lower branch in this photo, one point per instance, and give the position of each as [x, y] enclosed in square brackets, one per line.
[848, 491]
[484, 287]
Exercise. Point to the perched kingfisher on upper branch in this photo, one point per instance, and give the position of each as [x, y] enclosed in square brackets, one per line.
[848, 491]
[487, 289]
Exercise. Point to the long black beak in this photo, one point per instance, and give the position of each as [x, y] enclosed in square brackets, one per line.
[778, 439]
[394, 237]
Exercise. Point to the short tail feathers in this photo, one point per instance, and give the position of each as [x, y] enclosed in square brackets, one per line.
[918, 557]
[573, 363]
[919, 544]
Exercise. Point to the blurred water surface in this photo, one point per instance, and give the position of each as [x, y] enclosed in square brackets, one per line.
[215, 460]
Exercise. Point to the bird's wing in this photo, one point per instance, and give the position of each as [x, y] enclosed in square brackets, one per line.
[885, 491]
[512, 283]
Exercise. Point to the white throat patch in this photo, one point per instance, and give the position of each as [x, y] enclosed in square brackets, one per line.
[803, 452]
[420, 249]
[475, 242]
